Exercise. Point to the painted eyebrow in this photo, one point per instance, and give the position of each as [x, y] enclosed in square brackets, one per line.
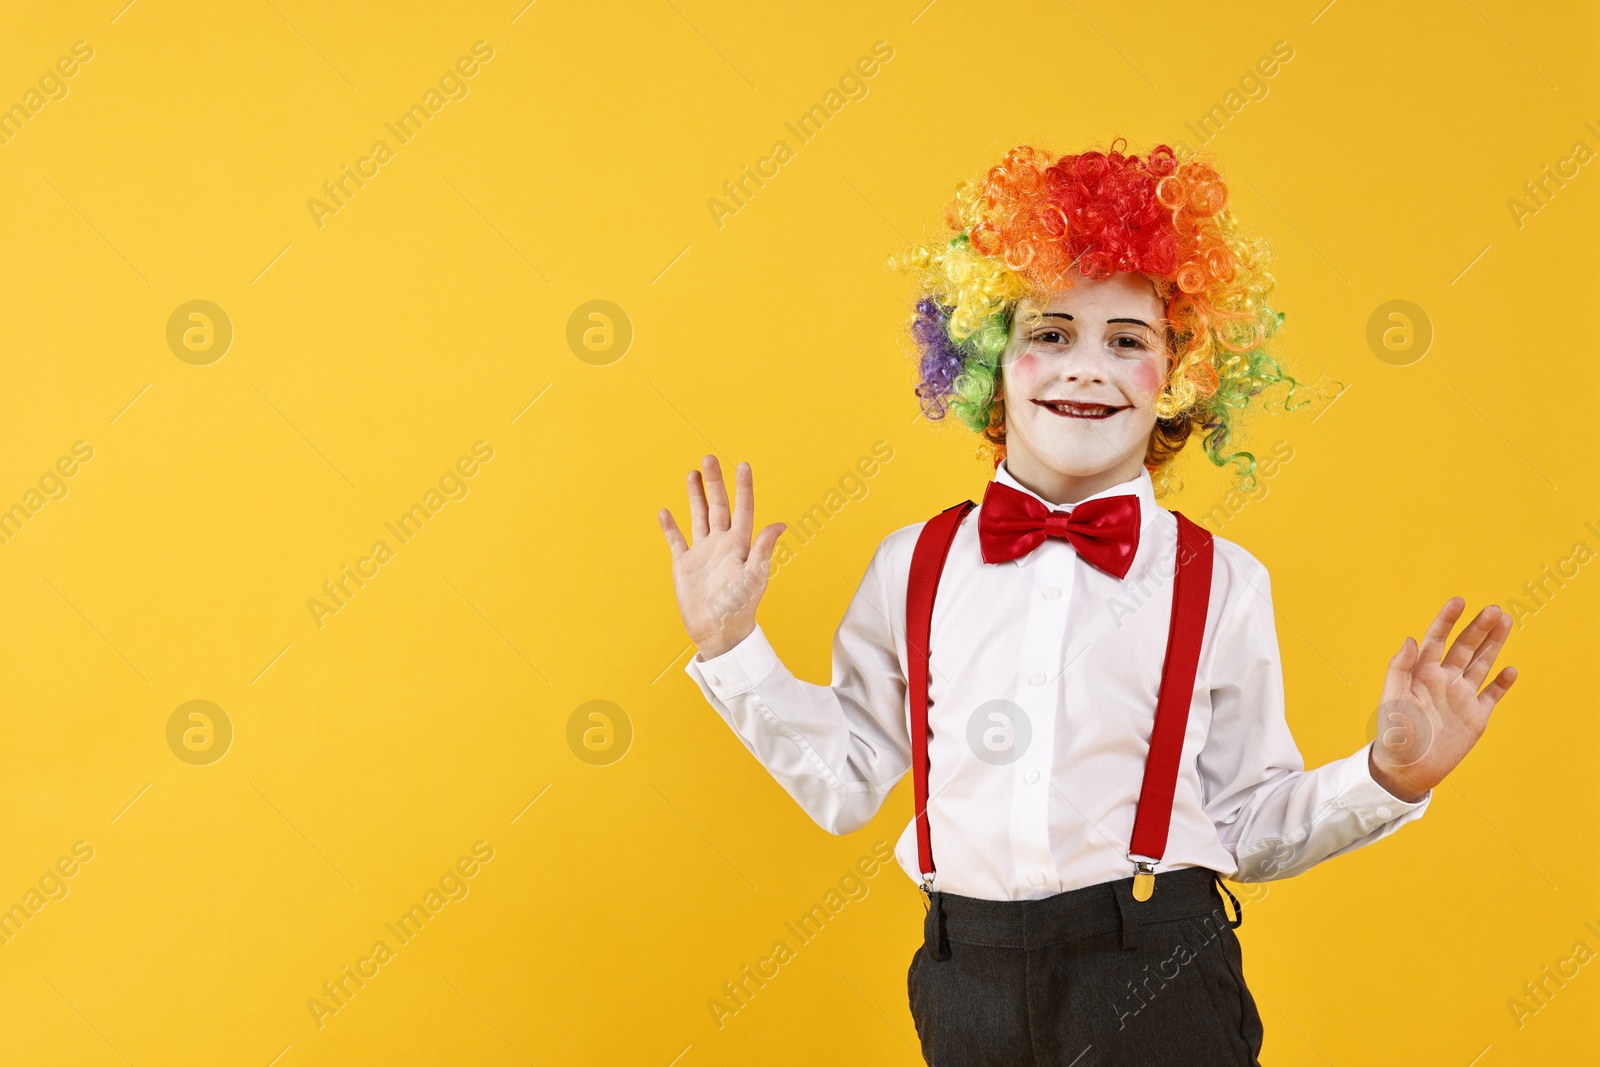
[1136, 322]
[1056, 315]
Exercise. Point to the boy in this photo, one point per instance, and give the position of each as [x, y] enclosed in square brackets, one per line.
[1085, 685]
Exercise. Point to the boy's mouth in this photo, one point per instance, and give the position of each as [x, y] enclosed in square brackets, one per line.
[1072, 409]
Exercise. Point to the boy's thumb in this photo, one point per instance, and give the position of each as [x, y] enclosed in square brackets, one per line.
[1400, 665]
[767, 540]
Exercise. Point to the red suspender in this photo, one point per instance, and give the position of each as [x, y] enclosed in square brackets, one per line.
[1191, 595]
[927, 563]
[1190, 600]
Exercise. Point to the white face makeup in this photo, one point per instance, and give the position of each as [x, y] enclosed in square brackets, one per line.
[1079, 377]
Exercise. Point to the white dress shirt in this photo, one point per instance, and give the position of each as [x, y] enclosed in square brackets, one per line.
[1044, 674]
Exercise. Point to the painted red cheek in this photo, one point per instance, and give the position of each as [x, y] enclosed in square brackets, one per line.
[1024, 371]
[1146, 377]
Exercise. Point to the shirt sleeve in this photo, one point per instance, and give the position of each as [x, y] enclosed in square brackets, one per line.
[837, 749]
[1274, 817]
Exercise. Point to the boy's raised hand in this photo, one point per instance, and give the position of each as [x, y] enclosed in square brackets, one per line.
[720, 579]
[1431, 712]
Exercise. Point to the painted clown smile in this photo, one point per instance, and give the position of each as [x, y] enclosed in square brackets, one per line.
[1072, 409]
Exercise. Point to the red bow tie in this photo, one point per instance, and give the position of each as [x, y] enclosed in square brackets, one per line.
[1104, 531]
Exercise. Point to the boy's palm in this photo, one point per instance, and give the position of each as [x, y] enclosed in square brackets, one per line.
[1432, 712]
[720, 578]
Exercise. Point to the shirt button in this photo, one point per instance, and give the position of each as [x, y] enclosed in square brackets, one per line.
[1036, 678]
[1052, 593]
[1384, 811]
[1031, 777]
[1036, 876]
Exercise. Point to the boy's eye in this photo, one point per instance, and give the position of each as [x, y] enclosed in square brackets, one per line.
[1050, 337]
[1127, 342]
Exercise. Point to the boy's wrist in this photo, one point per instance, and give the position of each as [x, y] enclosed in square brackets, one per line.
[721, 645]
[1399, 790]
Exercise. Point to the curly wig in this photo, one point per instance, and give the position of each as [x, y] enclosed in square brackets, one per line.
[1023, 229]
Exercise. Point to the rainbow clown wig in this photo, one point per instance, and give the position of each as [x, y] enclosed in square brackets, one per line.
[1032, 220]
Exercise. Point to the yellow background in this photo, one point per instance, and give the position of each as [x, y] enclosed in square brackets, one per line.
[431, 711]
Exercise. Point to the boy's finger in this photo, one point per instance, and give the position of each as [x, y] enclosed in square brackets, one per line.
[744, 506]
[1484, 659]
[716, 494]
[697, 506]
[1497, 688]
[669, 526]
[1465, 647]
[1431, 648]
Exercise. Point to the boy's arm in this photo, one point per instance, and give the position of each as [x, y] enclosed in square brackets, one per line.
[837, 749]
[1276, 818]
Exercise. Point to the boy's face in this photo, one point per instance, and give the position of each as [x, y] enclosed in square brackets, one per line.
[1101, 346]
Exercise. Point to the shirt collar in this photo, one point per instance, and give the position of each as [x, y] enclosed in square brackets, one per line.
[1139, 485]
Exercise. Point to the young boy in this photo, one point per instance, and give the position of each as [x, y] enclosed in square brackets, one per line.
[1085, 685]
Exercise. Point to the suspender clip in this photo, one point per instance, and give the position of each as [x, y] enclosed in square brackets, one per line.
[1144, 878]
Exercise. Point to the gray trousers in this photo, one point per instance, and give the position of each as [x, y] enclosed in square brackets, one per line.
[1088, 978]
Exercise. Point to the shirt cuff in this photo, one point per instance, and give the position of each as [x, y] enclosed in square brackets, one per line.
[1373, 804]
[738, 670]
